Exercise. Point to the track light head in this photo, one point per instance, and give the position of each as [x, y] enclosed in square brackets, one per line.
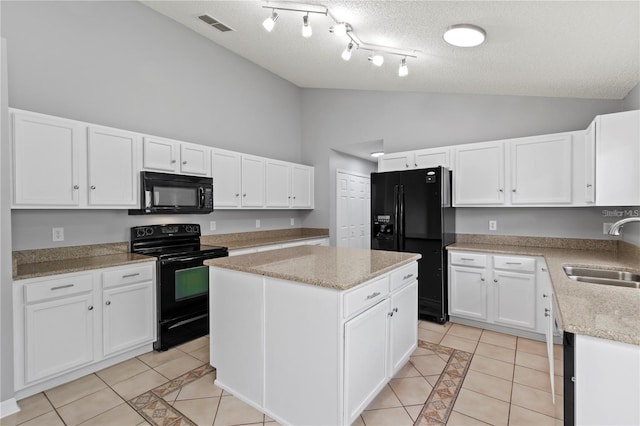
[346, 54]
[340, 29]
[377, 59]
[270, 22]
[306, 28]
[403, 71]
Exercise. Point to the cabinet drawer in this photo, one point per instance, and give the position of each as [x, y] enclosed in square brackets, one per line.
[51, 289]
[469, 259]
[512, 263]
[124, 276]
[366, 295]
[404, 275]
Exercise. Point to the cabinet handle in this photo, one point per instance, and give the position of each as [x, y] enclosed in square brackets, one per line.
[390, 314]
[466, 259]
[289, 197]
[573, 379]
[415, 165]
[513, 190]
[294, 197]
[372, 295]
[546, 312]
[395, 309]
[93, 187]
[482, 279]
[514, 263]
[543, 269]
[237, 195]
[76, 187]
[184, 162]
[495, 281]
[244, 195]
[60, 287]
[406, 165]
[545, 295]
[589, 185]
[173, 161]
[406, 277]
[90, 307]
[131, 275]
[501, 190]
[108, 302]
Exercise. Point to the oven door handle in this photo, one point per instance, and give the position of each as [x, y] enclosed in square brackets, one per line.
[181, 259]
[187, 321]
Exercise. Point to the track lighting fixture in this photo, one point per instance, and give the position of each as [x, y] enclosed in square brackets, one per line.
[270, 22]
[403, 71]
[377, 59]
[340, 29]
[346, 54]
[306, 28]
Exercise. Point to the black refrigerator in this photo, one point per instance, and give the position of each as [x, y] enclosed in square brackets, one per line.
[411, 212]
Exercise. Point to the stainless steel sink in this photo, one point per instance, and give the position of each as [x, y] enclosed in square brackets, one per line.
[603, 276]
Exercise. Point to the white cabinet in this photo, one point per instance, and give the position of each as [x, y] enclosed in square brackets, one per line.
[617, 155]
[302, 194]
[46, 160]
[278, 184]
[128, 308]
[171, 156]
[541, 170]
[70, 325]
[58, 327]
[112, 167]
[590, 164]
[514, 296]
[227, 178]
[252, 181]
[402, 334]
[468, 292]
[420, 159]
[479, 174]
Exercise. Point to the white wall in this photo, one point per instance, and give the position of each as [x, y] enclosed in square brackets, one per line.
[408, 121]
[122, 64]
[632, 100]
[631, 232]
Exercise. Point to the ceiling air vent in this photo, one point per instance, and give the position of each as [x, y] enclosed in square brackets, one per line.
[208, 19]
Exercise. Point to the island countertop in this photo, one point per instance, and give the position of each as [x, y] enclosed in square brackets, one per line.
[331, 267]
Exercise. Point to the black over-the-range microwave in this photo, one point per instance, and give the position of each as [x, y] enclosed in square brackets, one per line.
[164, 193]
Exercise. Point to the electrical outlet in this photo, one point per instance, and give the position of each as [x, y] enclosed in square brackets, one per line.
[58, 234]
[606, 226]
[212, 225]
[293, 222]
[493, 225]
[257, 223]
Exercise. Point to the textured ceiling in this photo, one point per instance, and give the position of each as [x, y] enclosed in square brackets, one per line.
[577, 49]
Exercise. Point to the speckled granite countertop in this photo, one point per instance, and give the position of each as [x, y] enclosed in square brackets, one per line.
[243, 240]
[595, 310]
[332, 267]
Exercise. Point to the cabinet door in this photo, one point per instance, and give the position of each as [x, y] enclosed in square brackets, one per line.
[397, 161]
[468, 293]
[46, 160]
[252, 181]
[548, 313]
[365, 358]
[479, 176]
[128, 317]
[403, 330]
[541, 170]
[160, 155]
[195, 159]
[112, 167]
[58, 336]
[278, 184]
[514, 299]
[226, 178]
[301, 187]
[590, 164]
[435, 157]
[617, 159]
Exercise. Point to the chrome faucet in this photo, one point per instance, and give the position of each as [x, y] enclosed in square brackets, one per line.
[615, 228]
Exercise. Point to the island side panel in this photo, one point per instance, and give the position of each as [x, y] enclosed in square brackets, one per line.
[236, 332]
[303, 353]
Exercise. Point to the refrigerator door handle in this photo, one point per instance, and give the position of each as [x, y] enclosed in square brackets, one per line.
[401, 219]
[396, 232]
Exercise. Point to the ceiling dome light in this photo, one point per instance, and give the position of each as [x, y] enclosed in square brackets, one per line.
[464, 35]
[403, 71]
[270, 22]
[377, 154]
[339, 29]
[377, 59]
[306, 28]
[346, 54]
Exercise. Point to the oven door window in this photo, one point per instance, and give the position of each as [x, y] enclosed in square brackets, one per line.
[191, 282]
[171, 196]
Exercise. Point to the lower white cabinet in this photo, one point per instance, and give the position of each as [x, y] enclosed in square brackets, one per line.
[72, 324]
[468, 292]
[266, 332]
[514, 296]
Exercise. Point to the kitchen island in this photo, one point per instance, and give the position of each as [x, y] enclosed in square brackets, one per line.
[310, 335]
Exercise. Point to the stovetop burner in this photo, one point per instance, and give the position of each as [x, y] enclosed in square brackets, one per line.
[171, 241]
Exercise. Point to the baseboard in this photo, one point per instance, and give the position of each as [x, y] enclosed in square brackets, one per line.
[8, 407]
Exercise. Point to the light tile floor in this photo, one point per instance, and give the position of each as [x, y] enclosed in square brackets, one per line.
[507, 382]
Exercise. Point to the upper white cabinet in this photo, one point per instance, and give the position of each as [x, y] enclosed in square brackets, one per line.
[420, 159]
[479, 174]
[541, 170]
[226, 167]
[112, 166]
[253, 181]
[46, 161]
[278, 184]
[590, 164]
[616, 139]
[59, 163]
[302, 186]
[171, 156]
